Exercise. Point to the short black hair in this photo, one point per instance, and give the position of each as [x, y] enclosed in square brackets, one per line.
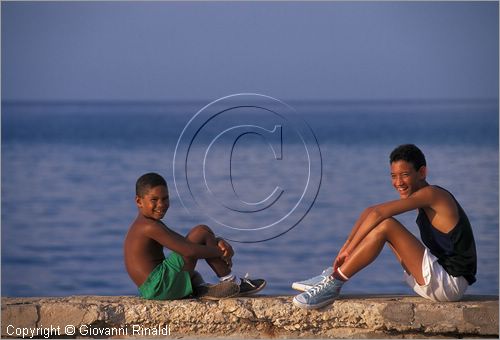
[147, 182]
[409, 153]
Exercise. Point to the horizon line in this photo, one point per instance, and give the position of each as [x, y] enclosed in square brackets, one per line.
[297, 101]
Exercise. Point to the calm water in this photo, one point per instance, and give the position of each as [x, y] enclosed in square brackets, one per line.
[68, 174]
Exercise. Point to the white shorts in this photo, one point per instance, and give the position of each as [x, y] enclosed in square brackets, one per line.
[439, 285]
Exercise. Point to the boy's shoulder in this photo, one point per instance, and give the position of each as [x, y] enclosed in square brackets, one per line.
[439, 198]
[433, 196]
[434, 189]
[143, 224]
[438, 190]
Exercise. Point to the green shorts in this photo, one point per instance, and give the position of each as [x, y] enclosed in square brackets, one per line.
[167, 281]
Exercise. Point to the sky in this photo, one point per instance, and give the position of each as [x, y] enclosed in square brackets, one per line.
[289, 50]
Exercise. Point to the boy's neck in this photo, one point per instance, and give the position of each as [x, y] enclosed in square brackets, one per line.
[150, 218]
[423, 184]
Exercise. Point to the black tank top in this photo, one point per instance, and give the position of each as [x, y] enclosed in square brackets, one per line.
[455, 250]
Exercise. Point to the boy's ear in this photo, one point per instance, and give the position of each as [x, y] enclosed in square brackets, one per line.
[422, 172]
[138, 201]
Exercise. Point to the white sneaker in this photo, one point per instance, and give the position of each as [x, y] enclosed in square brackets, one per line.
[309, 283]
[324, 293]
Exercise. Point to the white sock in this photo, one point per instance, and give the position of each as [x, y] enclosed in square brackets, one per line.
[230, 277]
[342, 274]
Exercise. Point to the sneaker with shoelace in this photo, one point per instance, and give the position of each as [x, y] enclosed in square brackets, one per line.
[319, 295]
[221, 290]
[250, 286]
[309, 283]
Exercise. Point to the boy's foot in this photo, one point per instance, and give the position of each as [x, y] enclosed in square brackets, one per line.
[221, 290]
[309, 283]
[249, 287]
[320, 295]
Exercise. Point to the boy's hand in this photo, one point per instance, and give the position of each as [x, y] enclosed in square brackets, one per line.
[227, 251]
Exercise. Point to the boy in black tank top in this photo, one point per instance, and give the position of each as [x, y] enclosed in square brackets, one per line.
[455, 250]
[440, 267]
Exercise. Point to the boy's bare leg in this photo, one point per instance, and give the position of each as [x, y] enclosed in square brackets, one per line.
[405, 245]
[202, 234]
[399, 258]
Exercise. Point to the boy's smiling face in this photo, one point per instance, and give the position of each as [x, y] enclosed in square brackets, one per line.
[154, 204]
[405, 179]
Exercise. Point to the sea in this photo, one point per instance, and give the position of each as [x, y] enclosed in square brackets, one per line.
[283, 181]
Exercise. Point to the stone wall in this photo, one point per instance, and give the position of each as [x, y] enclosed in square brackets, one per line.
[254, 317]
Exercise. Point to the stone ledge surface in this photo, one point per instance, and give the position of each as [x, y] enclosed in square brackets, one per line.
[252, 317]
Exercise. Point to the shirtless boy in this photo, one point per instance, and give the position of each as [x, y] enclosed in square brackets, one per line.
[174, 277]
[440, 267]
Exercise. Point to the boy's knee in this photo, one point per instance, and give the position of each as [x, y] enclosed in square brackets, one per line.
[389, 221]
[202, 228]
[384, 226]
[388, 224]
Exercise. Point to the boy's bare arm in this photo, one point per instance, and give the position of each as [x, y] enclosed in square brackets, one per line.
[176, 242]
